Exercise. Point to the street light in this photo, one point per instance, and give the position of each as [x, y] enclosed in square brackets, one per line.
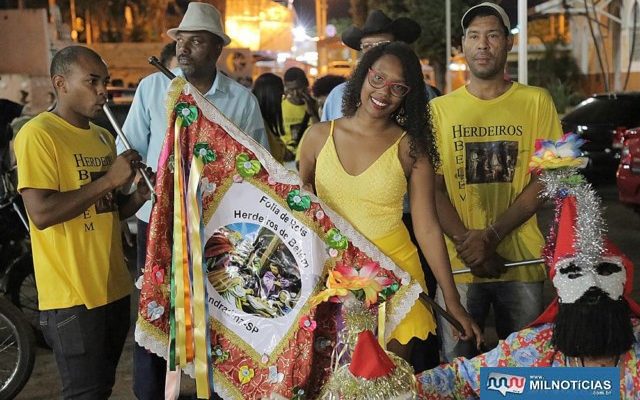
[299, 33]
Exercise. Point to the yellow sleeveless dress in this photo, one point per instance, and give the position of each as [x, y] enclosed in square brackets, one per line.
[372, 203]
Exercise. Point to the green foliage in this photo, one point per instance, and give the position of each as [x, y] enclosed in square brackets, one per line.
[108, 22]
[558, 72]
[341, 24]
[563, 95]
[358, 11]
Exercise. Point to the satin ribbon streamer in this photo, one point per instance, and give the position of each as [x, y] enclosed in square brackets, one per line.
[190, 340]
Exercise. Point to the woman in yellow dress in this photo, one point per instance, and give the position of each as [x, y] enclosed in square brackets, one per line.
[363, 164]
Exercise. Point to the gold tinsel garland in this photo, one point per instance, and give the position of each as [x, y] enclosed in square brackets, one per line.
[356, 319]
[399, 384]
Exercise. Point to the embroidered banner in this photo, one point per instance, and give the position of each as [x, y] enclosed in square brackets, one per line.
[263, 247]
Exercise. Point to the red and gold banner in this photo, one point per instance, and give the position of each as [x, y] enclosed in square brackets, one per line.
[239, 256]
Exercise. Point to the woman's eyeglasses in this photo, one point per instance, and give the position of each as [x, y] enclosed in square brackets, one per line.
[378, 81]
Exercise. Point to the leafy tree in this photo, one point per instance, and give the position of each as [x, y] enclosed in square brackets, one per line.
[341, 24]
[358, 11]
[108, 22]
[558, 72]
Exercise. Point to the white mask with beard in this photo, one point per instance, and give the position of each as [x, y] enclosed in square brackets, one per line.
[572, 281]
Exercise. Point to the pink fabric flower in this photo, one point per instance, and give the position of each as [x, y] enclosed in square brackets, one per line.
[308, 324]
[157, 274]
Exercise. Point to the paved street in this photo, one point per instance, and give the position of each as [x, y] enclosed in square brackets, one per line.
[624, 230]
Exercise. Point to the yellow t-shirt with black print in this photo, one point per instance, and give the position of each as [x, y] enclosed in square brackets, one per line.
[485, 147]
[79, 261]
[294, 126]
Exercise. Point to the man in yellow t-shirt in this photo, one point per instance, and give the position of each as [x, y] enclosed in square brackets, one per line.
[485, 196]
[299, 109]
[68, 175]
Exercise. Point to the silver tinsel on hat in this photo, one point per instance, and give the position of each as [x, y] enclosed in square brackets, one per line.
[590, 226]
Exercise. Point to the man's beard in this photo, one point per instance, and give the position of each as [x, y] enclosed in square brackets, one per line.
[593, 326]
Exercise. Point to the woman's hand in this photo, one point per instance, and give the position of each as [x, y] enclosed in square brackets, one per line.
[471, 329]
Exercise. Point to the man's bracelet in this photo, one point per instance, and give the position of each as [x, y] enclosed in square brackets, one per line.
[495, 232]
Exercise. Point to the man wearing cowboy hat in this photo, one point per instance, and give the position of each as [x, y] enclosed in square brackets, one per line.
[377, 29]
[199, 41]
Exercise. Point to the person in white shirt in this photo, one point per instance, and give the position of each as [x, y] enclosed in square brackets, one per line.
[199, 41]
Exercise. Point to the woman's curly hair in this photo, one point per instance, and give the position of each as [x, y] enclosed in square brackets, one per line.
[417, 121]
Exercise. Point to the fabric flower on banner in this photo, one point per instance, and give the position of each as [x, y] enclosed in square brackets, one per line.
[298, 393]
[203, 151]
[308, 324]
[330, 294]
[245, 374]
[206, 187]
[247, 167]
[363, 282]
[551, 154]
[298, 202]
[220, 354]
[158, 274]
[336, 240]
[154, 310]
[389, 290]
[188, 113]
[274, 375]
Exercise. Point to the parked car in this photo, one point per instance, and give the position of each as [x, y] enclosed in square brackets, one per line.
[600, 120]
[628, 175]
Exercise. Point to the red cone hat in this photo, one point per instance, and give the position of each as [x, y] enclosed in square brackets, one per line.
[564, 248]
[369, 360]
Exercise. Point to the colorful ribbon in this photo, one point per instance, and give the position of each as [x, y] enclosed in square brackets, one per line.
[200, 311]
[189, 322]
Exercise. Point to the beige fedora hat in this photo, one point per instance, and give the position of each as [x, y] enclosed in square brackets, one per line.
[201, 17]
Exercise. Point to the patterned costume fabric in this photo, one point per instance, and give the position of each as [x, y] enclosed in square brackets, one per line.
[266, 335]
[527, 348]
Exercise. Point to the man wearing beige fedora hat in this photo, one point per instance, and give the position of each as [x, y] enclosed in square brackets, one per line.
[199, 40]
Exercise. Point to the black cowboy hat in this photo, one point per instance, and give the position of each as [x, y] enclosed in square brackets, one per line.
[403, 29]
